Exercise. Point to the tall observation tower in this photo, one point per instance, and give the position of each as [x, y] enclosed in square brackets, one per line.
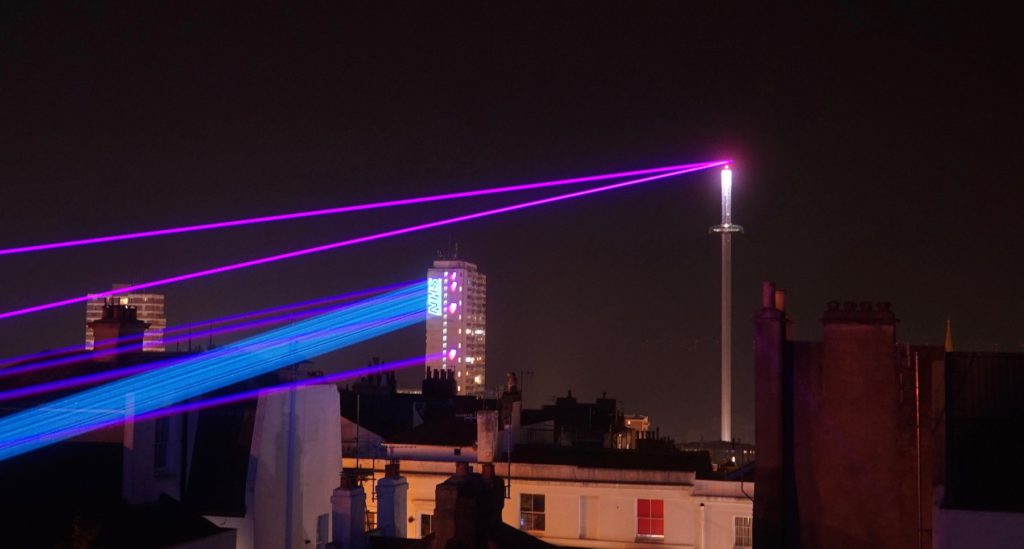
[726, 229]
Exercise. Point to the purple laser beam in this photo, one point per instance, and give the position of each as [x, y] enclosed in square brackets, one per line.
[254, 393]
[65, 361]
[338, 210]
[107, 375]
[246, 395]
[22, 360]
[352, 241]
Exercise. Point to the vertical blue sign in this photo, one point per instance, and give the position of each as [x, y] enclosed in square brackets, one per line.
[434, 296]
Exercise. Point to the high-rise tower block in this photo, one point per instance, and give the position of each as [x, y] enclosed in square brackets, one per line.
[457, 323]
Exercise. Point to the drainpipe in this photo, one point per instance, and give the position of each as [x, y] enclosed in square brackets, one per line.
[703, 521]
[917, 435]
[289, 497]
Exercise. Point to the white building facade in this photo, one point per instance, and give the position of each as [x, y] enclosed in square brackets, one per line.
[290, 476]
[573, 506]
[457, 323]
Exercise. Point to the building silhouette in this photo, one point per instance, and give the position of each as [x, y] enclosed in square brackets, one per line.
[867, 441]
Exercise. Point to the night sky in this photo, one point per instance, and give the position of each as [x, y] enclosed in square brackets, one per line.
[877, 157]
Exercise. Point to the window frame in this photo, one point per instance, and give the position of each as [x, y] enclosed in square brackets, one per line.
[748, 528]
[536, 513]
[652, 533]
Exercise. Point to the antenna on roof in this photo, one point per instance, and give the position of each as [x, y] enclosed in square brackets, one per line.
[452, 253]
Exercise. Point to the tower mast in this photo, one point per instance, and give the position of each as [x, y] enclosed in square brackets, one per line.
[726, 229]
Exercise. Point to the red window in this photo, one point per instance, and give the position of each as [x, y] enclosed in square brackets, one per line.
[650, 518]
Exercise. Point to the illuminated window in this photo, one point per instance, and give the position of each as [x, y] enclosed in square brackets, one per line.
[744, 528]
[531, 512]
[650, 518]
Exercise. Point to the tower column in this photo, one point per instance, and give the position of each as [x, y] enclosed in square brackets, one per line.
[726, 229]
[726, 336]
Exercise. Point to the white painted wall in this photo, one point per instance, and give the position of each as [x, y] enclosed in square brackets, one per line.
[320, 441]
[141, 483]
[617, 511]
[315, 444]
[615, 493]
[306, 457]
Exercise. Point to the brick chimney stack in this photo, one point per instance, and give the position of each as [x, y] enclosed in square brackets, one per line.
[119, 329]
[468, 507]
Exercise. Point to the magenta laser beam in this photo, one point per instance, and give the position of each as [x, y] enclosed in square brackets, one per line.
[338, 210]
[29, 362]
[107, 375]
[223, 400]
[353, 241]
[248, 325]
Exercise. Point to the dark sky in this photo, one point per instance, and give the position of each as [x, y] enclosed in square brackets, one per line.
[877, 157]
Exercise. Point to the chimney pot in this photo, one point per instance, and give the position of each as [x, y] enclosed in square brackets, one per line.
[349, 481]
[780, 300]
[768, 294]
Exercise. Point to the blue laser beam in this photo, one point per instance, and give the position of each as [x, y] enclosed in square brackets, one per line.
[196, 405]
[141, 393]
